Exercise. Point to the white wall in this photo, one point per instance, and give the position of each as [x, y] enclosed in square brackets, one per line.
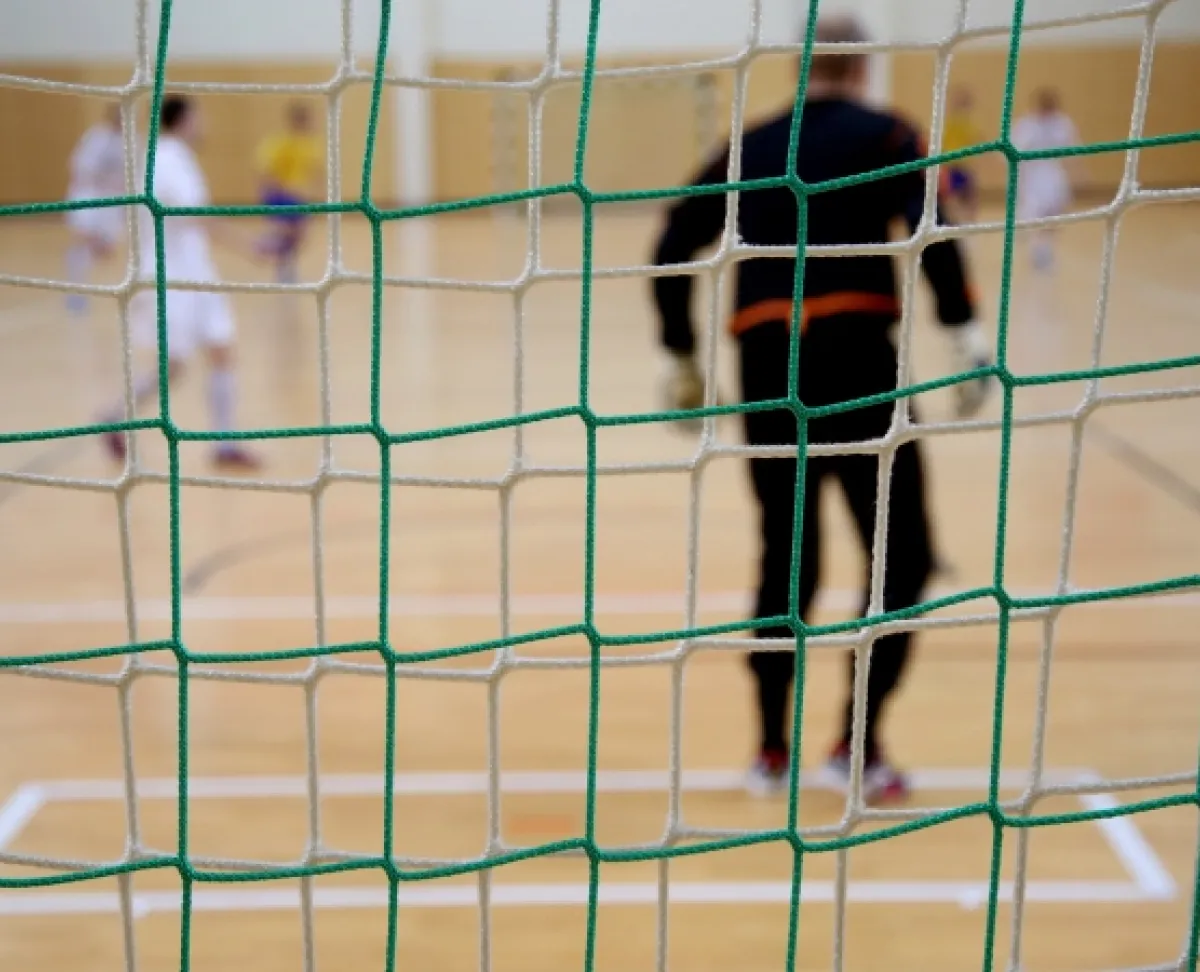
[100, 29]
[497, 28]
[463, 28]
[936, 18]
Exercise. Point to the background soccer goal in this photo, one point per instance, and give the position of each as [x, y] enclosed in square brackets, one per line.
[457, 680]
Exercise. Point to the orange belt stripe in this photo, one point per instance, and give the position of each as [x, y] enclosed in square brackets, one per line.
[812, 308]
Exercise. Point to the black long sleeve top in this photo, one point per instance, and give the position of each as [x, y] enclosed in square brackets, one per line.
[837, 138]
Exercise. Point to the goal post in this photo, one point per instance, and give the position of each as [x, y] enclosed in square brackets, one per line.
[413, 60]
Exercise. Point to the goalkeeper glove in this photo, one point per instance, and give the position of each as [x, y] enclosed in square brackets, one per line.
[683, 386]
[972, 351]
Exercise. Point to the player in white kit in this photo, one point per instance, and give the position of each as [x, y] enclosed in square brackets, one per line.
[1044, 185]
[196, 319]
[97, 171]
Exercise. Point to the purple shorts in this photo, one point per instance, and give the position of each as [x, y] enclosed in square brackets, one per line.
[277, 197]
[959, 181]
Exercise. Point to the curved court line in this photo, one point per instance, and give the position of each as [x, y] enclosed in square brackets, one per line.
[44, 462]
[1146, 467]
[196, 577]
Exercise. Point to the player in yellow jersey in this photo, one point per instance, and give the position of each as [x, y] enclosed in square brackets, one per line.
[960, 133]
[289, 166]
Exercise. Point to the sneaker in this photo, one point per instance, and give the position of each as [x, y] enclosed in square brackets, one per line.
[769, 774]
[234, 457]
[881, 782]
[114, 442]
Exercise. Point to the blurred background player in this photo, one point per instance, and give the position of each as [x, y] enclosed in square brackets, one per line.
[848, 309]
[289, 165]
[97, 171]
[1044, 186]
[960, 132]
[194, 318]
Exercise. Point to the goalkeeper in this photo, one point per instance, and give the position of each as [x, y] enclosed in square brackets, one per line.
[849, 306]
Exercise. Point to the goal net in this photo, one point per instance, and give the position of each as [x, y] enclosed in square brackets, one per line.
[519, 109]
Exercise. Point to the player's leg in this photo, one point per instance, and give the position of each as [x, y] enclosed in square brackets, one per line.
[1042, 248]
[291, 239]
[764, 376]
[1041, 197]
[1055, 200]
[92, 239]
[79, 265]
[143, 335]
[960, 193]
[968, 200]
[215, 330]
[908, 566]
[774, 483]
[1027, 207]
[268, 244]
[285, 234]
[280, 246]
[78, 257]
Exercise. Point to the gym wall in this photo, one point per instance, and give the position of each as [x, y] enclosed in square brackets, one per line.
[642, 134]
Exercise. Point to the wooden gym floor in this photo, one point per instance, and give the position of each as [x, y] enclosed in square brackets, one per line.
[1123, 698]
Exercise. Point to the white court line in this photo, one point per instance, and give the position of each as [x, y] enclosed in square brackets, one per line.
[534, 781]
[473, 605]
[964, 894]
[1132, 848]
[21, 808]
[1151, 880]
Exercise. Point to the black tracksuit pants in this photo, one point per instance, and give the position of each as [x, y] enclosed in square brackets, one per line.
[846, 357]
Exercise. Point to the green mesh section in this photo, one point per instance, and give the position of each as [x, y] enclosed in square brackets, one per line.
[787, 837]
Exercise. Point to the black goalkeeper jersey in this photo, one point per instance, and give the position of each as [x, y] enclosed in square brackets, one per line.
[837, 138]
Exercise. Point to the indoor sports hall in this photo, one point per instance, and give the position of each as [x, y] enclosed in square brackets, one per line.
[367, 602]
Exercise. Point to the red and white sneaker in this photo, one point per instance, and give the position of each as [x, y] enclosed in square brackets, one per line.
[881, 782]
[769, 773]
[114, 444]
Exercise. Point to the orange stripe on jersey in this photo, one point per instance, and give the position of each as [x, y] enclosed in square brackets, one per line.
[812, 309]
[763, 312]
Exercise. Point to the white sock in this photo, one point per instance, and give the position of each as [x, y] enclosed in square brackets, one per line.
[221, 394]
[144, 387]
[1043, 251]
